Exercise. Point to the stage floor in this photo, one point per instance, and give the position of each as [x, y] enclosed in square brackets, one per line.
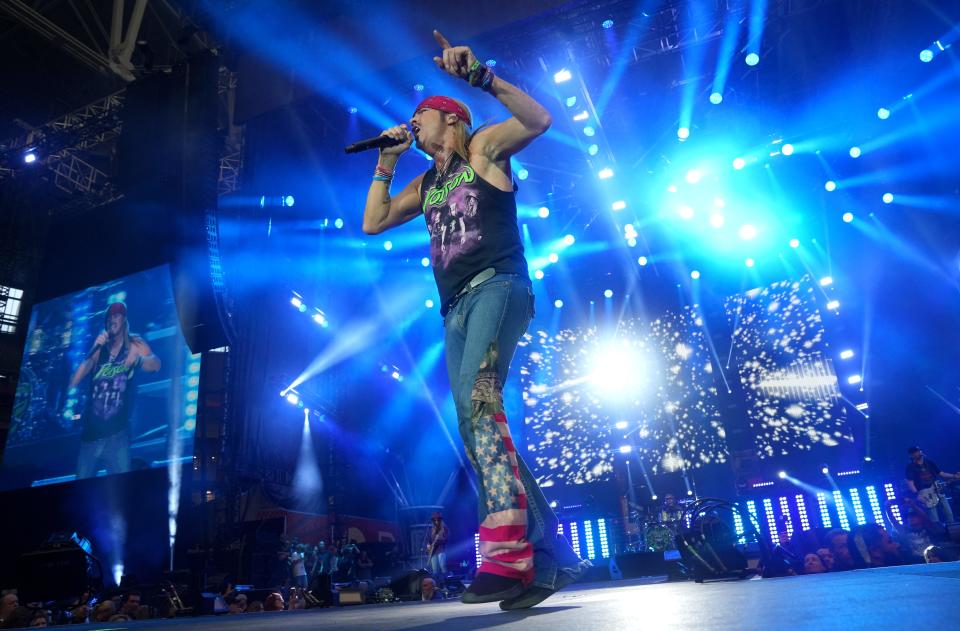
[922, 596]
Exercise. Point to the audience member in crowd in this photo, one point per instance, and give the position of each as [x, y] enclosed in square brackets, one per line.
[274, 602]
[9, 601]
[934, 554]
[237, 604]
[255, 607]
[130, 603]
[826, 558]
[41, 618]
[428, 589]
[915, 535]
[104, 611]
[839, 544]
[875, 546]
[812, 564]
[120, 617]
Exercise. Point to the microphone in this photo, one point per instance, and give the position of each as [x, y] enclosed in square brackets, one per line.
[377, 142]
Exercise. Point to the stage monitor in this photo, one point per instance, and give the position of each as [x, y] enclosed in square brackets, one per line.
[107, 385]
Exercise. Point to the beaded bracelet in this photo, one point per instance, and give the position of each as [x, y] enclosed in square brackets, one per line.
[382, 178]
[381, 170]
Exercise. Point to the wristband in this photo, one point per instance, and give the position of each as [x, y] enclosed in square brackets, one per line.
[381, 178]
[381, 170]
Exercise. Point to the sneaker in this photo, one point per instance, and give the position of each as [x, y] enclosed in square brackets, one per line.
[488, 588]
[535, 595]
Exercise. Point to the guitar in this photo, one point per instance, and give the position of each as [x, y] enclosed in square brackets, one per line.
[930, 496]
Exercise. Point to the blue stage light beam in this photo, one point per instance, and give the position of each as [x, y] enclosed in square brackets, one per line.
[758, 15]
[731, 33]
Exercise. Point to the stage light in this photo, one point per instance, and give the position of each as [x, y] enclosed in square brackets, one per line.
[717, 220]
[846, 354]
[523, 174]
[319, 319]
[716, 98]
[926, 55]
[558, 303]
[418, 87]
[825, 471]
[553, 258]
[538, 274]
[833, 305]
[695, 274]
[672, 188]
[544, 212]
[593, 149]
[752, 59]
[883, 113]
[642, 260]
[288, 201]
[292, 398]
[571, 101]
[605, 173]
[847, 217]
[589, 131]
[867, 458]
[747, 231]
[608, 23]
[562, 76]
[887, 198]
[689, 492]
[782, 474]
[621, 425]
[296, 302]
[654, 498]
[302, 308]
[353, 110]
[582, 116]
[338, 223]
[854, 379]
[683, 133]
[826, 281]
[685, 212]
[787, 149]
[749, 263]
[30, 156]
[490, 63]
[425, 262]
[618, 205]
[568, 239]
[428, 304]
[632, 242]
[719, 202]
[855, 152]
[693, 176]
[739, 163]
[794, 243]
[830, 186]
[625, 449]
[388, 245]
[608, 293]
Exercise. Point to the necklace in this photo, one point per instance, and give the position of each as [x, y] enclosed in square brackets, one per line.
[442, 172]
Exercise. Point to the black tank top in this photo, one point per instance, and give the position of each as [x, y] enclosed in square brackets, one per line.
[111, 396]
[473, 226]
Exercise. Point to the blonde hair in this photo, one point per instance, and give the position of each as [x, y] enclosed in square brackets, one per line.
[462, 134]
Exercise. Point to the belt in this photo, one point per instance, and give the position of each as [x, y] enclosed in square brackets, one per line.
[480, 277]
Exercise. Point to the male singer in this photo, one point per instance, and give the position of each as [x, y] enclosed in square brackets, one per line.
[114, 358]
[468, 202]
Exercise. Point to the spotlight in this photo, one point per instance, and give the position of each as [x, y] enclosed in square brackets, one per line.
[826, 281]
[544, 212]
[846, 354]
[353, 110]
[593, 149]
[338, 223]
[621, 425]
[847, 217]
[825, 471]
[782, 474]
[296, 302]
[558, 303]
[632, 242]
[855, 152]
[642, 260]
[752, 59]
[553, 257]
[538, 274]
[883, 113]
[625, 449]
[418, 87]
[717, 220]
[388, 245]
[683, 133]
[749, 263]
[653, 497]
[490, 63]
[693, 176]
[833, 305]
[787, 149]
[719, 203]
[794, 243]
[428, 304]
[608, 293]
[571, 101]
[739, 163]
[30, 156]
[605, 173]
[582, 116]
[425, 262]
[288, 201]
[523, 174]
[562, 76]
[589, 131]
[618, 205]
[292, 398]
[568, 239]
[685, 212]
[830, 186]
[695, 274]
[867, 458]
[689, 492]
[716, 98]
[608, 23]
[747, 231]
[320, 319]
[854, 379]
[926, 55]
[887, 198]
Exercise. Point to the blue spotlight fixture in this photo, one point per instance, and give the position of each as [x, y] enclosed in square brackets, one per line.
[490, 63]
[747, 231]
[683, 133]
[749, 263]
[794, 243]
[558, 303]
[288, 201]
[593, 149]
[428, 303]
[883, 113]
[418, 87]
[739, 163]
[425, 262]
[553, 257]
[352, 109]
[846, 354]
[752, 59]
[716, 98]
[855, 152]
[830, 186]
[782, 475]
[833, 305]
[338, 223]
[618, 205]
[538, 274]
[608, 293]
[388, 245]
[568, 239]
[544, 212]
[29, 156]
[589, 131]
[582, 116]
[787, 149]
[571, 101]
[605, 173]
[826, 281]
[847, 217]
[608, 23]
[854, 379]
[926, 55]
[887, 198]
[625, 449]
[695, 274]
[693, 176]
[523, 174]
[562, 76]
[642, 261]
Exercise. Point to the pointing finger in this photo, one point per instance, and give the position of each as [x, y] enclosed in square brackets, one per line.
[437, 35]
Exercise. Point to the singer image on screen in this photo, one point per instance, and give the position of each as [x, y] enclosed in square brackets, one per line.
[468, 202]
[115, 357]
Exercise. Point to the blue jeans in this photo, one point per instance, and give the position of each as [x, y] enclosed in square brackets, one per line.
[114, 450]
[438, 567]
[943, 506]
[498, 312]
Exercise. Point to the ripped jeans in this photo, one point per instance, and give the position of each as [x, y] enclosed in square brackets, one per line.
[518, 530]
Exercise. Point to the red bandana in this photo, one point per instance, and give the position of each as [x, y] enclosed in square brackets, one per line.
[445, 104]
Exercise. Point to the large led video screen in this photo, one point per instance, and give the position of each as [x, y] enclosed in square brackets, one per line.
[107, 385]
[648, 386]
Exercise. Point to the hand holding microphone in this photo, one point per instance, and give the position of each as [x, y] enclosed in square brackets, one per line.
[99, 343]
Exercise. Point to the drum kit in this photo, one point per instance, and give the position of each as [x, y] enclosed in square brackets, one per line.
[654, 529]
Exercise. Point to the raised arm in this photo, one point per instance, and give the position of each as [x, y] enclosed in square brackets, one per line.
[382, 211]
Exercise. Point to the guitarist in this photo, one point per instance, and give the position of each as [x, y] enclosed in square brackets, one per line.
[436, 547]
[922, 475]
